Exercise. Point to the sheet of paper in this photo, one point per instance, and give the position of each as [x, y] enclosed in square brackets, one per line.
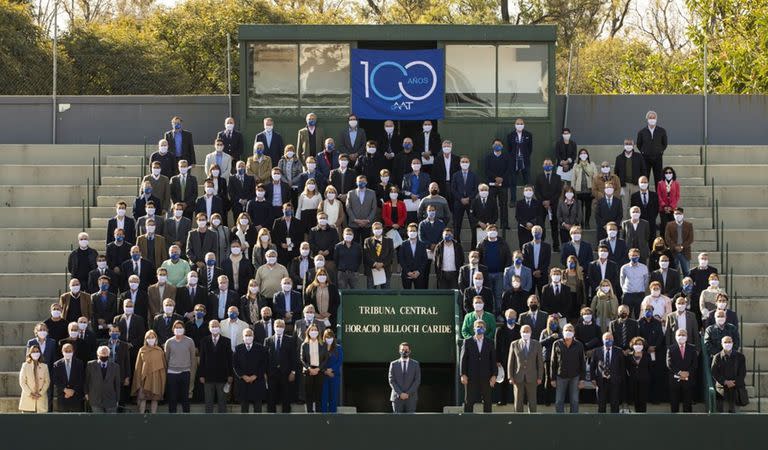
[411, 205]
[379, 276]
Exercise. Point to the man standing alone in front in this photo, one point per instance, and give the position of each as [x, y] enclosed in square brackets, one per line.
[405, 379]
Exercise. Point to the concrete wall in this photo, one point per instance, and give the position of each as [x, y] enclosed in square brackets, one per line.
[594, 119]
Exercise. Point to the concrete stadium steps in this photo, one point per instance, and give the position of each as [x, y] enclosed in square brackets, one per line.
[17, 332]
[63, 195]
[47, 239]
[32, 284]
[60, 174]
[52, 154]
[27, 308]
[45, 261]
[757, 333]
[749, 285]
[11, 358]
[56, 217]
[717, 154]
[752, 309]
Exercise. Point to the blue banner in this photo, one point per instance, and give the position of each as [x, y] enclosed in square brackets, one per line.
[398, 85]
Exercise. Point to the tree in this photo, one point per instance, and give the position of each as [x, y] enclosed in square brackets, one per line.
[25, 54]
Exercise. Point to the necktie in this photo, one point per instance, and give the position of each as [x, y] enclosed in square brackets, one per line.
[136, 268]
[183, 184]
[167, 320]
[528, 202]
[645, 199]
[682, 351]
[607, 358]
[624, 331]
[557, 290]
[609, 202]
[68, 366]
[248, 347]
[277, 345]
[465, 177]
[378, 248]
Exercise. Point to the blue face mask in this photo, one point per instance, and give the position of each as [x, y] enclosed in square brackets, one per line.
[537, 236]
[288, 212]
[104, 287]
[571, 265]
[362, 184]
[175, 256]
[311, 122]
[448, 237]
[553, 327]
[115, 336]
[547, 168]
[177, 126]
[635, 259]
[148, 190]
[407, 146]
[648, 314]
[210, 262]
[119, 238]
[518, 261]
[330, 147]
[200, 314]
[241, 171]
[136, 257]
[497, 148]
[687, 288]
[259, 151]
[511, 321]
[479, 330]
[608, 343]
[233, 315]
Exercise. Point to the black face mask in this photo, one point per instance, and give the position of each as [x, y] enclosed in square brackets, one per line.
[433, 192]
[405, 354]
[266, 318]
[623, 315]
[103, 358]
[533, 307]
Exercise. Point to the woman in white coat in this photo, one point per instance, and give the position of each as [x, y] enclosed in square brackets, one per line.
[34, 380]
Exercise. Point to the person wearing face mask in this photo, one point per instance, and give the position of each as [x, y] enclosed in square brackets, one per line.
[220, 189]
[260, 211]
[120, 353]
[496, 256]
[343, 178]
[249, 367]
[514, 297]
[152, 213]
[378, 254]
[290, 169]
[630, 166]
[477, 289]
[180, 142]
[668, 279]
[467, 271]
[323, 296]
[548, 188]
[49, 351]
[241, 189]
[721, 303]
[131, 326]
[209, 203]
[636, 232]
[232, 327]
[577, 247]
[102, 270]
[176, 227]
[327, 160]
[608, 209]
[283, 365]
[699, 278]
[608, 373]
[602, 176]
[56, 324]
[34, 380]
[404, 377]
[682, 363]
[652, 142]
[138, 297]
[660, 303]
[482, 212]
[617, 247]
[103, 307]
[176, 268]
[102, 382]
[391, 142]
[329, 397]
[184, 188]
[525, 369]
[415, 187]
[221, 299]
[624, 328]
[309, 202]
[478, 312]
[118, 251]
[648, 202]
[444, 167]
[556, 296]
[478, 369]
[84, 346]
[322, 241]
[287, 303]
[237, 268]
[269, 275]
[659, 249]
[370, 163]
[82, 260]
[565, 156]
[158, 292]
[361, 208]
[264, 327]
[729, 370]
[520, 147]
[528, 215]
[537, 256]
[287, 233]
[573, 277]
[584, 174]
[151, 243]
[568, 213]
[714, 334]
[601, 269]
[312, 172]
[587, 331]
[166, 159]
[633, 278]
[333, 208]
[252, 304]
[442, 209]
[68, 379]
[160, 186]
[244, 232]
[426, 144]
[567, 370]
[604, 305]
[149, 375]
[393, 211]
[449, 257]
[272, 141]
[534, 316]
[668, 191]
[121, 221]
[143, 200]
[653, 334]
[163, 322]
[259, 165]
[314, 356]
[639, 369]
[200, 241]
[348, 255]
[678, 235]
[197, 328]
[300, 266]
[352, 140]
[505, 336]
[75, 303]
[276, 193]
[413, 261]
[497, 171]
[684, 320]
[231, 140]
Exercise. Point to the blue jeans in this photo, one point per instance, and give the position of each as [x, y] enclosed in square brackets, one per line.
[684, 264]
[495, 282]
[572, 385]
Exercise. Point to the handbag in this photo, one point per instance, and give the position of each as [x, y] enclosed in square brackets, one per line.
[742, 398]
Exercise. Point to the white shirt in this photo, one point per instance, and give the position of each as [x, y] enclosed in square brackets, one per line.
[121, 223]
[447, 162]
[682, 321]
[314, 353]
[479, 344]
[603, 266]
[449, 259]
[208, 205]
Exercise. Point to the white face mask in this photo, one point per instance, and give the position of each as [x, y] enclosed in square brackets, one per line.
[516, 284]
[413, 234]
[311, 187]
[253, 289]
[275, 177]
[576, 237]
[377, 231]
[464, 166]
[309, 317]
[343, 163]
[612, 233]
[569, 195]
[605, 170]
[528, 194]
[389, 130]
[178, 213]
[74, 334]
[82, 325]
[35, 356]
[235, 250]
[56, 314]
[651, 122]
[83, 243]
[637, 348]
[290, 155]
[478, 306]
[703, 263]
[201, 223]
[371, 150]
[348, 237]
[555, 278]
[714, 283]
[286, 287]
[320, 263]
[328, 341]
[183, 170]
[101, 264]
[163, 149]
[67, 355]
[519, 127]
[727, 346]
[680, 308]
[587, 318]
[719, 320]
[229, 126]
[525, 336]
[268, 127]
[216, 222]
[668, 176]
[304, 252]
[722, 306]
[415, 167]
[313, 334]
[151, 342]
[609, 191]
[151, 211]
[679, 218]
[210, 190]
[664, 264]
[322, 222]
[121, 212]
[483, 194]
[566, 137]
[493, 234]
[42, 334]
[628, 148]
[583, 157]
[427, 128]
[215, 173]
[129, 310]
[279, 331]
[681, 339]
[655, 293]
[393, 195]
[155, 171]
[271, 260]
[446, 149]
[330, 196]
[477, 283]
[248, 340]
[150, 229]
[133, 286]
[352, 123]
[168, 309]
[568, 334]
[322, 278]
[643, 186]
[635, 215]
[178, 331]
[605, 289]
[162, 278]
[602, 255]
[215, 330]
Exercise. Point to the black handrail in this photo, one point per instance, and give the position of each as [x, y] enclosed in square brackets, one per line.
[99, 157]
[712, 203]
[754, 359]
[82, 206]
[708, 385]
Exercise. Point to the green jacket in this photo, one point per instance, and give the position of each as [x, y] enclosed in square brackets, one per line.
[468, 328]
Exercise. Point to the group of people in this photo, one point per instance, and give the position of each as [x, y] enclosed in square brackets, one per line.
[177, 309]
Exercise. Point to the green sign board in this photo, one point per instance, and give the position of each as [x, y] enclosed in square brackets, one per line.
[375, 322]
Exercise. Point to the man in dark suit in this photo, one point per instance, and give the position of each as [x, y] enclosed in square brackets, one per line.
[370, 163]
[478, 369]
[184, 188]
[201, 241]
[608, 374]
[467, 271]
[102, 270]
[177, 228]
[728, 370]
[624, 328]
[463, 192]
[120, 354]
[68, 379]
[652, 141]
[272, 140]
[264, 328]
[636, 233]
[209, 204]
[527, 215]
[482, 211]
[602, 269]
[102, 383]
[609, 209]
[287, 303]
[391, 143]
[498, 170]
[427, 141]
[118, 251]
[180, 141]
[103, 308]
[648, 202]
[283, 363]
[215, 367]
[163, 323]
[249, 366]
[584, 253]
[445, 165]
[141, 202]
[343, 177]
[130, 325]
[534, 317]
[412, 257]
[283, 197]
[327, 160]
[242, 188]
[617, 247]
[378, 253]
[221, 298]
[141, 267]
[520, 147]
[671, 284]
[537, 256]
[351, 139]
[138, 297]
[548, 188]
[82, 341]
[505, 336]
[478, 289]
[682, 362]
[121, 220]
[404, 377]
[287, 235]
[449, 257]
[232, 139]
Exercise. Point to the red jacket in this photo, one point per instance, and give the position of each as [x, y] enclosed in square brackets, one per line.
[668, 200]
[386, 213]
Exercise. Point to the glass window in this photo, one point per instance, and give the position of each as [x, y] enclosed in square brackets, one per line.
[324, 80]
[273, 87]
[470, 80]
[523, 80]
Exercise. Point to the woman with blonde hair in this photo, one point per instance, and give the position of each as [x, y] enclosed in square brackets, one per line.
[309, 202]
[263, 245]
[333, 208]
[324, 296]
[149, 374]
[573, 277]
[584, 172]
[314, 356]
[604, 305]
[245, 232]
[34, 380]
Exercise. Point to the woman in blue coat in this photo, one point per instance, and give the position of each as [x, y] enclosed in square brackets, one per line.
[332, 380]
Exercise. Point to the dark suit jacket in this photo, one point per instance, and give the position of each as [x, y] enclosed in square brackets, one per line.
[212, 306]
[677, 363]
[673, 285]
[561, 303]
[147, 274]
[616, 369]
[604, 214]
[190, 190]
[393, 144]
[478, 366]
[465, 280]
[440, 175]
[503, 341]
[334, 300]
[198, 246]
[638, 168]
[486, 213]
[241, 190]
[274, 151]
[460, 189]
[177, 233]
[105, 310]
[548, 190]
[51, 353]
[435, 142]
[93, 280]
[370, 166]
[594, 275]
[122, 357]
[325, 166]
[279, 307]
[260, 330]
[525, 146]
[409, 261]
[164, 332]
[617, 326]
[652, 147]
[584, 256]
[545, 258]
[140, 207]
[245, 273]
[85, 349]
[287, 360]
[187, 146]
[215, 360]
[129, 226]
[217, 205]
[458, 253]
[102, 391]
[135, 332]
[620, 255]
[541, 321]
[649, 212]
[369, 255]
[304, 356]
[233, 145]
[470, 293]
[280, 232]
[76, 381]
[347, 184]
[140, 305]
[285, 193]
[637, 238]
[117, 254]
[346, 146]
[525, 213]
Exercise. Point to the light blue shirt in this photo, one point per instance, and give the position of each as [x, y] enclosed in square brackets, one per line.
[269, 138]
[177, 142]
[633, 279]
[352, 136]
[222, 304]
[277, 195]
[536, 252]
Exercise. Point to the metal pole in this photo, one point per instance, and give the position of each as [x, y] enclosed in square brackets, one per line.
[706, 106]
[99, 162]
[568, 87]
[713, 201]
[229, 75]
[55, 68]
